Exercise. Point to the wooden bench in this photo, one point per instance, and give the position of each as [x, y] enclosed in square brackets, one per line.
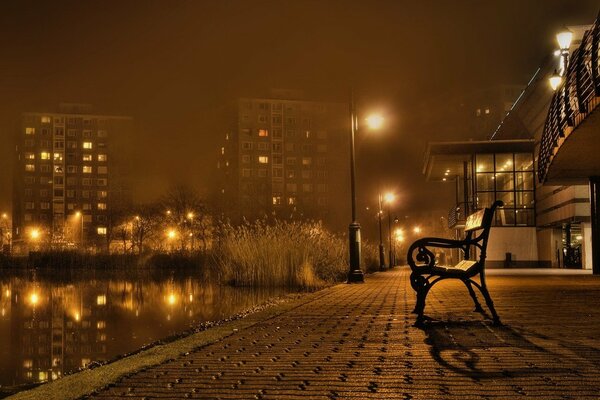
[426, 273]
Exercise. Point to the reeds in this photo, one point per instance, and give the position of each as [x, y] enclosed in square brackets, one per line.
[293, 254]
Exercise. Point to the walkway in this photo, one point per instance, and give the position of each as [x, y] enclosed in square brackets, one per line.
[358, 342]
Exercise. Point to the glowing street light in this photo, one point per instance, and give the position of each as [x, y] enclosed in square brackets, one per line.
[417, 229]
[34, 234]
[171, 234]
[555, 80]
[355, 274]
[564, 38]
[389, 197]
[374, 121]
[34, 299]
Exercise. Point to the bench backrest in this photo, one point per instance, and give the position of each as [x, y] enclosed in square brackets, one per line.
[480, 220]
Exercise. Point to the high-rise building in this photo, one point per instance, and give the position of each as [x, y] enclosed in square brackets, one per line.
[287, 158]
[68, 178]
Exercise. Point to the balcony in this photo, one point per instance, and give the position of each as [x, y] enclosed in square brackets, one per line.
[570, 145]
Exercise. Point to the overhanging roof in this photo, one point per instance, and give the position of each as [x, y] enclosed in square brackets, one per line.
[449, 156]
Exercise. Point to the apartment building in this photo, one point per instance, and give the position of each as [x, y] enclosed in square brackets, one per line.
[286, 157]
[67, 177]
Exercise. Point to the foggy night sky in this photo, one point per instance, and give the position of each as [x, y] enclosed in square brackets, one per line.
[174, 66]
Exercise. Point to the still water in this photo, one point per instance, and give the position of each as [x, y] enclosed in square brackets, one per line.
[52, 324]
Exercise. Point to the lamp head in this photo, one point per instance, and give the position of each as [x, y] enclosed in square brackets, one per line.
[555, 80]
[564, 38]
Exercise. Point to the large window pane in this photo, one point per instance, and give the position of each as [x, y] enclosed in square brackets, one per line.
[505, 217]
[485, 199]
[485, 182]
[523, 162]
[504, 162]
[525, 217]
[485, 163]
[508, 198]
[525, 199]
[524, 180]
[505, 181]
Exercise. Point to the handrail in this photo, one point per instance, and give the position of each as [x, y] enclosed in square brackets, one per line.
[574, 100]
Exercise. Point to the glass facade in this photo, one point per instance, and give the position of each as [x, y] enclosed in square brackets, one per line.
[508, 177]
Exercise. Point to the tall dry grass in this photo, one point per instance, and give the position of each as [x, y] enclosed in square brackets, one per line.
[293, 254]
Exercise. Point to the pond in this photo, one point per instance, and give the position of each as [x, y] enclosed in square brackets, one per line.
[52, 324]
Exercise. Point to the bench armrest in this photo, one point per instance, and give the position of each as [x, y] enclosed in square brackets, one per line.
[424, 260]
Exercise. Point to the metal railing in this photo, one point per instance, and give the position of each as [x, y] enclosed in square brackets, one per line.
[574, 100]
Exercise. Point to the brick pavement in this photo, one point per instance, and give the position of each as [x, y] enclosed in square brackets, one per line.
[358, 342]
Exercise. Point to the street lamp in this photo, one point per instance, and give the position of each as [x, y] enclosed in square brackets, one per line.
[355, 274]
[381, 250]
[389, 199]
[555, 80]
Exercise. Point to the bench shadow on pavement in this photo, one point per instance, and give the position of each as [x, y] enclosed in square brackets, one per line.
[483, 351]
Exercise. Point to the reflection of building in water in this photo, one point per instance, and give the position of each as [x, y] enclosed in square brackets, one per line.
[49, 327]
[55, 330]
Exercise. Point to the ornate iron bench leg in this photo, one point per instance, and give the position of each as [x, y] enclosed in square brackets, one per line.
[473, 295]
[489, 302]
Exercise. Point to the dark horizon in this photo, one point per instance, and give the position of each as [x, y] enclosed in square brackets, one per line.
[175, 66]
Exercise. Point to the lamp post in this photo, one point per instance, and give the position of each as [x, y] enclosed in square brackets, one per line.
[355, 274]
[389, 199]
[190, 217]
[79, 215]
[381, 250]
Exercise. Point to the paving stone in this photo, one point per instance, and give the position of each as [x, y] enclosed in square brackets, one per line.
[358, 342]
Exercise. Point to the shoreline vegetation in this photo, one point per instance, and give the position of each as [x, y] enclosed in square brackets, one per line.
[294, 254]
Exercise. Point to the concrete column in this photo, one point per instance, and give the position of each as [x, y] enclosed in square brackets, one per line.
[595, 222]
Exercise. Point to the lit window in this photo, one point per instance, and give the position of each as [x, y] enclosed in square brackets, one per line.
[101, 206]
[291, 201]
[46, 120]
[263, 159]
[29, 156]
[101, 299]
[87, 157]
[58, 156]
[102, 194]
[306, 161]
[101, 325]
[276, 200]
[263, 132]
[44, 155]
[487, 110]
[29, 131]
[87, 169]
[101, 231]
[222, 150]
[101, 157]
[43, 376]
[29, 167]
[87, 145]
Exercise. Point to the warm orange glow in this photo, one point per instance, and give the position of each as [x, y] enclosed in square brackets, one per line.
[78, 214]
[190, 215]
[34, 234]
[417, 229]
[4, 216]
[34, 299]
[171, 234]
[172, 299]
[389, 197]
[375, 121]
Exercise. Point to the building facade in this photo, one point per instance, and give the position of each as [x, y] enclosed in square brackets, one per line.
[68, 176]
[286, 158]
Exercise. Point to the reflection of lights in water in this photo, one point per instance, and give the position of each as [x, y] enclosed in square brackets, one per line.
[169, 317]
[3, 312]
[137, 313]
[101, 300]
[172, 299]
[34, 298]
[191, 298]
[7, 293]
[77, 317]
